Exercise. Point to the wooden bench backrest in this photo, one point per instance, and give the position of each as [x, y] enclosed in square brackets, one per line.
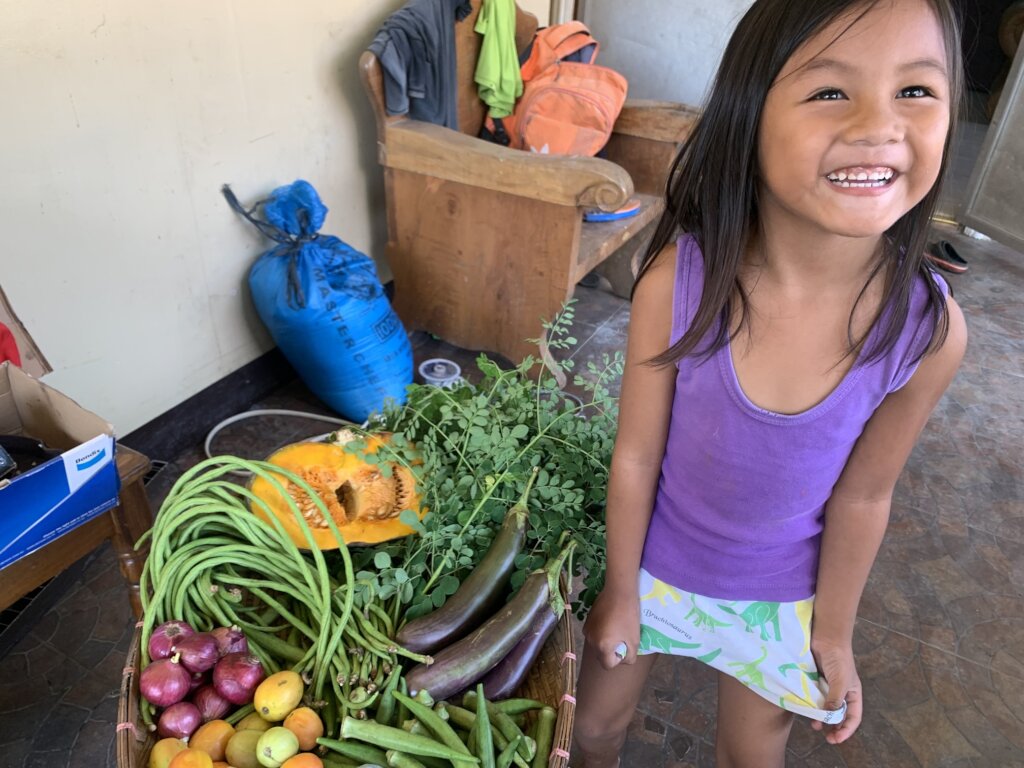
[467, 49]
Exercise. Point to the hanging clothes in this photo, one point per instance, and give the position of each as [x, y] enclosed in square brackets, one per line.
[416, 50]
[497, 69]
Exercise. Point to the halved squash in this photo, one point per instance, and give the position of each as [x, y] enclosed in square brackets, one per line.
[364, 503]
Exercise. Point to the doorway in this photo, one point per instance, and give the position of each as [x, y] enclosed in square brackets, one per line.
[991, 31]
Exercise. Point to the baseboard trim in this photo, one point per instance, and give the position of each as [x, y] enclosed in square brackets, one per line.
[186, 424]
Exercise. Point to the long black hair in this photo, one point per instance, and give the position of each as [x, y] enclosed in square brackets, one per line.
[712, 187]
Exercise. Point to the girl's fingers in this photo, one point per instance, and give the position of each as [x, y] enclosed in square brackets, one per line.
[837, 734]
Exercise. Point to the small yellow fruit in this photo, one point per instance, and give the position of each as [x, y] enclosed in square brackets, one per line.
[278, 695]
[275, 746]
[253, 722]
[164, 751]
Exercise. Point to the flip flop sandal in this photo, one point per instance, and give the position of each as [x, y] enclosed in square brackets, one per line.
[943, 255]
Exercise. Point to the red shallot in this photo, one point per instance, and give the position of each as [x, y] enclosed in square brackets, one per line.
[229, 640]
[179, 721]
[198, 652]
[212, 706]
[161, 642]
[236, 676]
[164, 682]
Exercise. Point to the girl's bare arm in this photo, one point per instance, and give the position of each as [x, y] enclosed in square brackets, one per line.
[857, 513]
[645, 403]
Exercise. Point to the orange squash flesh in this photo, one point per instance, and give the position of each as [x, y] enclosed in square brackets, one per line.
[364, 503]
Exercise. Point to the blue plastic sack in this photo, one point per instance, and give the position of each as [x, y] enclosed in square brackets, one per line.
[325, 307]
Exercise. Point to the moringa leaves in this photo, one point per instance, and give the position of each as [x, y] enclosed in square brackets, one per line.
[475, 448]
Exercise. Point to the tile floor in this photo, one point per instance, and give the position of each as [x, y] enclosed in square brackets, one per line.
[940, 639]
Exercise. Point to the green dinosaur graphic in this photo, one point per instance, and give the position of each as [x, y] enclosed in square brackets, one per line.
[703, 619]
[652, 639]
[707, 658]
[750, 669]
[786, 668]
[759, 615]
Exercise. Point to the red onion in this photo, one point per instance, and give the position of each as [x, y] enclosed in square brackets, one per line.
[212, 706]
[199, 679]
[236, 676]
[164, 682]
[161, 642]
[179, 721]
[198, 652]
[230, 640]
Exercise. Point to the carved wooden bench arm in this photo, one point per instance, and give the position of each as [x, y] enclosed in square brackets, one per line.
[432, 150]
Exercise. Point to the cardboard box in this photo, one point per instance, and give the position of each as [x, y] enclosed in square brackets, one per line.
[55, 497]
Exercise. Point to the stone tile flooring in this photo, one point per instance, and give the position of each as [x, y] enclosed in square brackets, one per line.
[939, 641]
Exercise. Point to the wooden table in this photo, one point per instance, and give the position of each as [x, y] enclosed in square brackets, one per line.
[122, 525]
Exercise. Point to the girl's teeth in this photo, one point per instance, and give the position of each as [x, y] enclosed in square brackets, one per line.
[861, 178]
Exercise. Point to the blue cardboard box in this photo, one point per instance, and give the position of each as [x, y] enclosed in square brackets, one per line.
[53, 498]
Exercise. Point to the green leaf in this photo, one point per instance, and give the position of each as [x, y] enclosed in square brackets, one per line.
[448, 585]
[519, 431]
[382, 560]
[412, 520]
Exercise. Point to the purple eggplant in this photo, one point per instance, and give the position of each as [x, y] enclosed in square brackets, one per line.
[467, 660]
[479, 595]
[503, 680]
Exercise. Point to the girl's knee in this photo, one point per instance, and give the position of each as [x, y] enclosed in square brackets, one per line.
[752, 731]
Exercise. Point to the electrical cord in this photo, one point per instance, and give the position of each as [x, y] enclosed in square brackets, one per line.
[275, 412]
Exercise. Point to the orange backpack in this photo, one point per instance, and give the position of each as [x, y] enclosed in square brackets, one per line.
[567, 107]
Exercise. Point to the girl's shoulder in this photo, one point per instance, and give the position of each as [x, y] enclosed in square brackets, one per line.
[931, 308]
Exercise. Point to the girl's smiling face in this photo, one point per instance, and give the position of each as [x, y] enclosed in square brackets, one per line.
[853, 129]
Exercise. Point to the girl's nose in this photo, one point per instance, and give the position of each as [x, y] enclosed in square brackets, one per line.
[874, 123]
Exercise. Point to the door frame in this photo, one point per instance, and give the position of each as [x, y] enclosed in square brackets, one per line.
[1013, 93]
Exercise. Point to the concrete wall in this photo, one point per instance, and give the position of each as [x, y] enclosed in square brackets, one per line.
[666, 49]
[122, 119]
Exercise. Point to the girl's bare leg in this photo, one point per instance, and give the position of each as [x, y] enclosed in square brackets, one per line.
[606, 700]
[752, 732]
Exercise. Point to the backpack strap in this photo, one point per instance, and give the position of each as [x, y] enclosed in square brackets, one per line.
[552, 44]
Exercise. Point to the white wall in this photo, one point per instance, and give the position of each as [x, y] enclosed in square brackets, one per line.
[121, 120]
[666, 49]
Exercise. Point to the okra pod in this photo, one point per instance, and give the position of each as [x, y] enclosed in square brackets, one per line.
[508, 706]
[509, 752]
[441, 729]
[508, 729]
[482, 731]
[386, 708]
[545, 735]
[402, 760]
[355, 750]
[386, 737]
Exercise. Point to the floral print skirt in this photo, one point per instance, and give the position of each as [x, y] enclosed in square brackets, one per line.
[764, 645]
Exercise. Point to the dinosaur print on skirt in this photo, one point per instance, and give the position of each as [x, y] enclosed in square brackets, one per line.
[764, 645]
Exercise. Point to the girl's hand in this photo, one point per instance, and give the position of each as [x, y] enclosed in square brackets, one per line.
[614, 619]
[835, 663]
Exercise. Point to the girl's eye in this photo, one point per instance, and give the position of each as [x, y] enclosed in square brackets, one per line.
[914, 92]
[829, 94]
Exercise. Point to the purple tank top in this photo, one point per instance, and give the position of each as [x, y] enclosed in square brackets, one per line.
[739, 508]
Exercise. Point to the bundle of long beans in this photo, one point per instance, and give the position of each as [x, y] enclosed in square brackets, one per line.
[213, 562]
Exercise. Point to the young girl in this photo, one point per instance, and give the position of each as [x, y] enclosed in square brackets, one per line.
[784, 355]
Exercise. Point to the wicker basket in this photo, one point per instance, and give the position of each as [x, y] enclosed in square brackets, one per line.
[551, 680]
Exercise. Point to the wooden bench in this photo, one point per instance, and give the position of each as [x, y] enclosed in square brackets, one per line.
[484, 241]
